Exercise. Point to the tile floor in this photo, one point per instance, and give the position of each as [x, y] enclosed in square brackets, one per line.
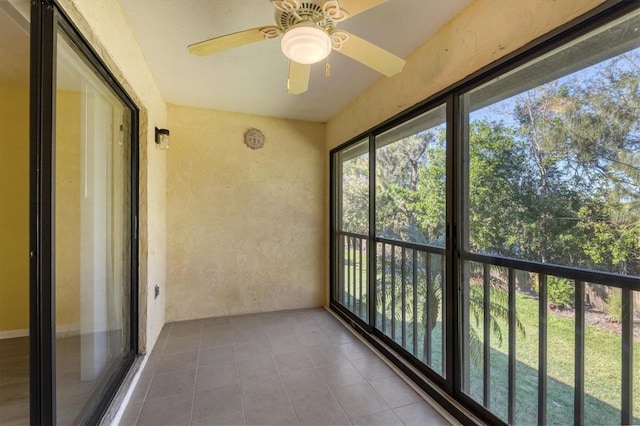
[284, 368]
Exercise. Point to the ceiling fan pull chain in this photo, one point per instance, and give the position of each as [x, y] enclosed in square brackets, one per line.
[327, 68]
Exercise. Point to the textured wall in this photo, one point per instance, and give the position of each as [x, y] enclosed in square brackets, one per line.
[482, 33]
[245, 228]
[103, 23]
[14, 208]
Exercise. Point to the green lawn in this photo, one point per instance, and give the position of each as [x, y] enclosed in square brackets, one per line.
[602, 371]
[602, 367]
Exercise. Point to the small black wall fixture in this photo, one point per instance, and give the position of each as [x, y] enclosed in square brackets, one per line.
[162, 138]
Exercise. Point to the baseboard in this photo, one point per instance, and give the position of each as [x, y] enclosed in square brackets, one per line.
[12, 334]
[67, 330]
[63, 330]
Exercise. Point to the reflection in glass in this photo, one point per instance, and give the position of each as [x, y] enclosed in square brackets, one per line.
[14, 215]
[93, 233]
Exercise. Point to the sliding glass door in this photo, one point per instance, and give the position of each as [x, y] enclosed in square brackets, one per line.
[93, 233]
[84, 207]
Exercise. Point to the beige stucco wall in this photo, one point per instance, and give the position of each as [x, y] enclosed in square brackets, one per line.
[14, 210]
[104, 25]
[482, 33]
[246, 228]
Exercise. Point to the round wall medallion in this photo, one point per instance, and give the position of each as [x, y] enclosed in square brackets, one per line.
[254, 139]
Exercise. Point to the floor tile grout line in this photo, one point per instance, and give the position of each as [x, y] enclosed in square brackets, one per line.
[195, 380]
[235, 357]
[285, 388]
[286, 391]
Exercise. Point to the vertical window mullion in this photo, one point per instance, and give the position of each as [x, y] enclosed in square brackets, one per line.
[373, 247]
[455, 194]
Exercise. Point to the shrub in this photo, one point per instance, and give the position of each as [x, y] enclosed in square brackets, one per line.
[560, 291]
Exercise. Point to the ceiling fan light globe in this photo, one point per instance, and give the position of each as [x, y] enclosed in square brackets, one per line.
[306, 44]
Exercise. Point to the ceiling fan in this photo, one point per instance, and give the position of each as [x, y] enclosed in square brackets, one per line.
[309, 33]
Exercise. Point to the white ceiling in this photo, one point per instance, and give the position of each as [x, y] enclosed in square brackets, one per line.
[252, 78]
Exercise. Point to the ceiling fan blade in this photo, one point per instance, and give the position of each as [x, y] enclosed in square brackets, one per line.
[353, 7]
[230, 41]
[367, 53]
[298, 81]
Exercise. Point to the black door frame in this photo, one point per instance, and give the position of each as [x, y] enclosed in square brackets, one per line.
[47, 18]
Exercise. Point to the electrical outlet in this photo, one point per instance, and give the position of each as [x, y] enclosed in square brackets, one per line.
[156, 292]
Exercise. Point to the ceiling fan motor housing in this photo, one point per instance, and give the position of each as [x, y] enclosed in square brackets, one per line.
[307, 12]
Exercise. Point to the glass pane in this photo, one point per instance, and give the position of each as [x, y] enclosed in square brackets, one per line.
[410, 207]
[602, 354]
[410, 180]
[93, 234]
[527, 346]
[486, 361]
[552, 155]
[353, 175]
[14, 215]
[352, 168]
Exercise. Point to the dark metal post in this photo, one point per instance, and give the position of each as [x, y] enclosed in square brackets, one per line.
[415, 302]
[542, 349]
[42, 220]
[486, 362]
[404, 298]
[428, 295]
[372, 255]
[627, 357]
[383, 287]
[578, 403]
[512, 347]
